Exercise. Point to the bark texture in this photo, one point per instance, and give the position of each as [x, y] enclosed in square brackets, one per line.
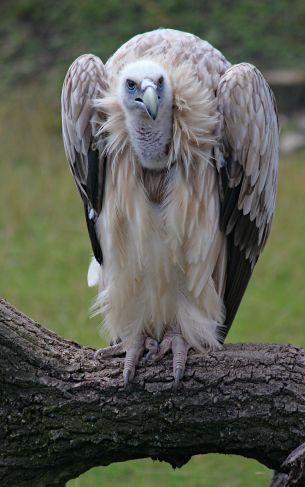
[62, 411]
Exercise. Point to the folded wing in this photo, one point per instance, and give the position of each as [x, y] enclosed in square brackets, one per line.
[85, 81]
[247, 174]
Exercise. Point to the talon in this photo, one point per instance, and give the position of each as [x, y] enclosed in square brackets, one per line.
[174, 341]
[178, 374]
[164, 347]
[149, 356]
[112, 351]
[134, 352]
[127, 376]
[97, 353]
[152, 347]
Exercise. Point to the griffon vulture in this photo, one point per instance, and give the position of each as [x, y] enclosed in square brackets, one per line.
[174, 152]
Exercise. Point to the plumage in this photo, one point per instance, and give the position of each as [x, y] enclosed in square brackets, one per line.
[174, 153]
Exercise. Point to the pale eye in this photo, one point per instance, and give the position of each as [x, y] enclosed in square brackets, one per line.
[131, 85]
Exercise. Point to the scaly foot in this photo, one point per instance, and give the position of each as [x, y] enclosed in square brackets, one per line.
[134, 352]
[174, 341]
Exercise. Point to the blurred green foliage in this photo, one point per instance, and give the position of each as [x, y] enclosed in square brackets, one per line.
[38, 36]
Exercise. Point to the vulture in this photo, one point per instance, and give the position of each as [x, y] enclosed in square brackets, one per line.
[174, 152]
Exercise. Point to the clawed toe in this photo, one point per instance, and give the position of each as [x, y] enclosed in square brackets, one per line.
[174, 341]
[178, 375]
[128, 375]
[116, 350]
[152, 347]
[180, 350]
[133, 355]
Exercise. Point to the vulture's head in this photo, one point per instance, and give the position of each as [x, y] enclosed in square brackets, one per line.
[146, 96]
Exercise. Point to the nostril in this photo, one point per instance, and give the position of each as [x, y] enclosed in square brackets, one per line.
[138, 99]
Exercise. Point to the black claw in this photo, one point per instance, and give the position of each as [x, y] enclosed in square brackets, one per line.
[178, 376]
[126, 377]
[150, 355]
[96, 354]
[147, 357]
[152, 347]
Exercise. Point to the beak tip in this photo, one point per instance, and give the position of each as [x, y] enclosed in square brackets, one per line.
[151, 102]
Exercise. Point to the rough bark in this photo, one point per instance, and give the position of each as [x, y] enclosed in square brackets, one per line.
[62, 411]
[295, 466]
[279, 480]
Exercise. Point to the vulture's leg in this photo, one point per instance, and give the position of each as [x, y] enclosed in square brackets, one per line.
[134, 352]
[174, 341]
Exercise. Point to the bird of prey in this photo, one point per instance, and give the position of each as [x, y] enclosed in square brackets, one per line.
[174, 152]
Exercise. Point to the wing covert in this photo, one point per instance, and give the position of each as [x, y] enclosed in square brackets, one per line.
[248, 164]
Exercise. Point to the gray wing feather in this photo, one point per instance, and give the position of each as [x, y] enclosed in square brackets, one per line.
[85, 81]
[248, 173]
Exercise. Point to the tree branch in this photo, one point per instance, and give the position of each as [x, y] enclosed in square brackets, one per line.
[63, 412]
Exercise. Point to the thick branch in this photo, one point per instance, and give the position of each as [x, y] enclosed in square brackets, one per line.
[62, 412]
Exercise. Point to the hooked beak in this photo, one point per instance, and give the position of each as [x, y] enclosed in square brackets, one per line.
[151, 101]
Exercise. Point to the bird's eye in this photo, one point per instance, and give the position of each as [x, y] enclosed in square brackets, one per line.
[131, 85]
[160, 81]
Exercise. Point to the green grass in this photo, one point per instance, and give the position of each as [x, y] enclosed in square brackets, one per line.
[201, 471]
[44, 256]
